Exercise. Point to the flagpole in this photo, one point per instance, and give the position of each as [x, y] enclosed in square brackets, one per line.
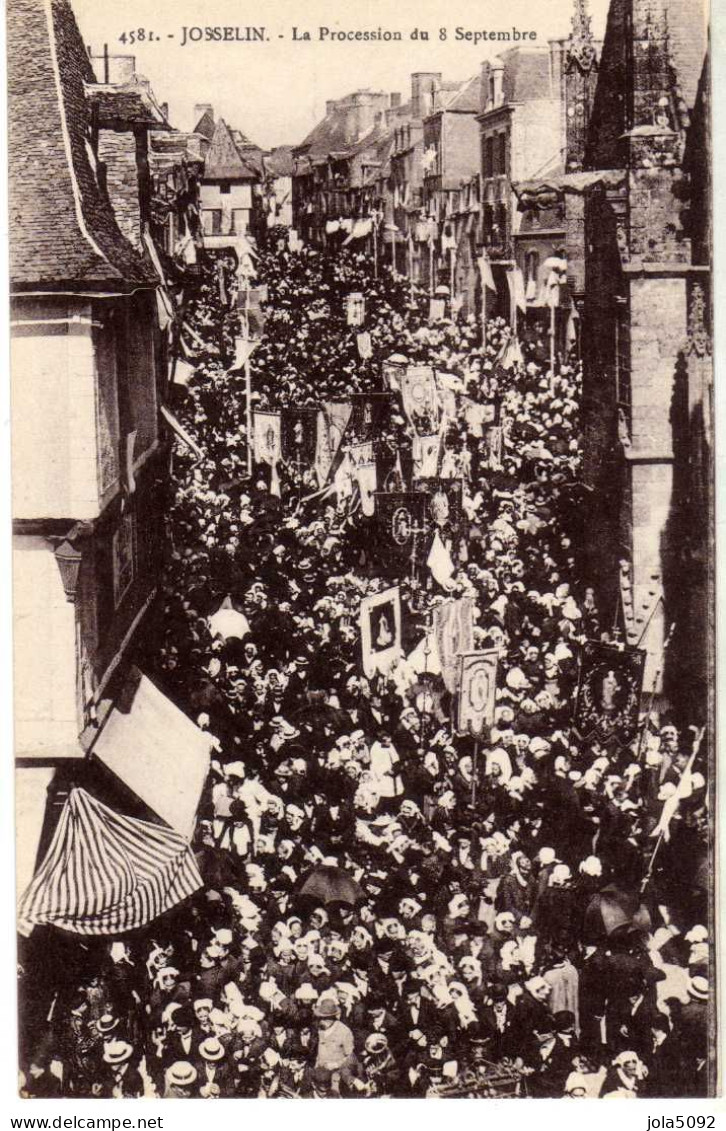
[375, 248]
[483, 315]
[552, 348]
[513, 300]
[248, 381]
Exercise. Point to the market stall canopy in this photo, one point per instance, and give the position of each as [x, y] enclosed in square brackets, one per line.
[105, 873]
[158, 753]
[31, 794]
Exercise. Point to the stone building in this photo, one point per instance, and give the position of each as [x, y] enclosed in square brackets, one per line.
[231, 188]
[522, 136]
[552, 204]
[278, 168]
[330, 165]
[646, 334]
[405, 188]
[451, 163]
[89, 461]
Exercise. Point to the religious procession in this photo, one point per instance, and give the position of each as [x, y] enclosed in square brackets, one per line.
[400, 790]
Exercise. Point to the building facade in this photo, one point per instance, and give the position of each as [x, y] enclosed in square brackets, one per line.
[89, 371]
[647, 369]
[522, 131]
[450, 189]
[231, 186]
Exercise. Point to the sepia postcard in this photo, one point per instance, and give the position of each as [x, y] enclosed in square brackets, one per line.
[363, 579]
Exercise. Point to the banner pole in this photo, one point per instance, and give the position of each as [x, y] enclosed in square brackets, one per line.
[552, 349]
[248, 382]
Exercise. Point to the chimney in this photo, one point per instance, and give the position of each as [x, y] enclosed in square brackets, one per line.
[164, 107]
[395, 100]
[200, 110]
[423, 85]
[114, 69]
[329, 107]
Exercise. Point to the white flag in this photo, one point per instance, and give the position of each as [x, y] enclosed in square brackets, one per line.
[183, 372]
[243, 351]
[440, 563]
[486, 273]
[164, 308]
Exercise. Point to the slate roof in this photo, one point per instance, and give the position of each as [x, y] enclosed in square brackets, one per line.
[468, 99]
[130, 104]
[279, 162]
[527, 74]
[205, 125]
[63, 229]
[329, 136]
[687, 44]
[224, 160]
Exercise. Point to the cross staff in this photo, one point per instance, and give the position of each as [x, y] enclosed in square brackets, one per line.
[656, 677]
[694, 754]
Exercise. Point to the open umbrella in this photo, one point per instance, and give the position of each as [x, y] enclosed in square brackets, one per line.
[613, 912]
[326, 884]
[228, 622]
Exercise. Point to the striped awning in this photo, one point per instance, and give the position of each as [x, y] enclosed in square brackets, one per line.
[105, 873]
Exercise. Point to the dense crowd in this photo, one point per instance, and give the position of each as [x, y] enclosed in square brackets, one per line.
[390, 910]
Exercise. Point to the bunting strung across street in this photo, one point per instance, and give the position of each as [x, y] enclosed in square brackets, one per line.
[420, 398]
[299, 427]
[608, 692]
[402, 526]
[454, 629]
[477, 692]
[380, 631]
[266, 433]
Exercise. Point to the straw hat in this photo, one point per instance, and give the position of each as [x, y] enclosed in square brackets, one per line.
[118, 1052]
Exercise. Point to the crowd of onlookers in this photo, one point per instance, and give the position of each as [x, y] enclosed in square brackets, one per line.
[387, 910]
